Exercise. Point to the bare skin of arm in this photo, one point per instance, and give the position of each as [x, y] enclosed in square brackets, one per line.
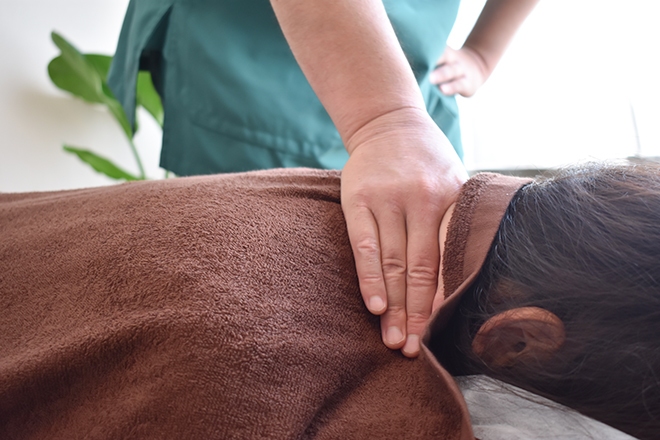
[463, 71]
[402, 173]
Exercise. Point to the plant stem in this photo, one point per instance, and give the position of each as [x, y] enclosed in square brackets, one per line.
[143, 175]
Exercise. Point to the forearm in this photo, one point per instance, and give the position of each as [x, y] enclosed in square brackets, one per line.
[496, 26]
[351, 57]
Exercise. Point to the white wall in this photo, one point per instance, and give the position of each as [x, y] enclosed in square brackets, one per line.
[562, 93]
[565, 89]
[36, 118]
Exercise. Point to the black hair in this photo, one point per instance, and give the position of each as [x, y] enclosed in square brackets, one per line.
[584, 245]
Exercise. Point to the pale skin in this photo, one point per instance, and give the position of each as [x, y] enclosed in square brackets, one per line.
[402, 173]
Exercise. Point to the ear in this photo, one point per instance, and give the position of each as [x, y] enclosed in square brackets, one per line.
[519, 335]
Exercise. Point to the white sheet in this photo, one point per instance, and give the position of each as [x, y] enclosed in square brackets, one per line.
[503, 412]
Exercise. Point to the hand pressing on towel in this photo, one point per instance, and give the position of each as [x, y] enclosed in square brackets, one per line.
[402, 173]
[401, 177]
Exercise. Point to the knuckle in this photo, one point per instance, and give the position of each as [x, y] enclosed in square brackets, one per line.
[422, 276]
[394, 268]
[358, 202]
[392, 207]
[396, 311]
[426, 187]
[428, 193]
[370, 279]
[367, 248]
[418, 319]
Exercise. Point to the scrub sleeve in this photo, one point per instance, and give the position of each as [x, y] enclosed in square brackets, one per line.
[233, 94]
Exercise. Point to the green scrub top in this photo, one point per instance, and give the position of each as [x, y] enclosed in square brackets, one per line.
[233, 94]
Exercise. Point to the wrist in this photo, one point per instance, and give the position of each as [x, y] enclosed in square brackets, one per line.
[412, 119]
[360, 112]
[484, 63]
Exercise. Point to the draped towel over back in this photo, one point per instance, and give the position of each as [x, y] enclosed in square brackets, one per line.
[221, 307]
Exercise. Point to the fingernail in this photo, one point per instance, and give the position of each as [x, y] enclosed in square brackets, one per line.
[394, 335]
[376, 304]
[412, 344]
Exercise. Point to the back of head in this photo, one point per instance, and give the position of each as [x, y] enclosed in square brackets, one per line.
[584, 245]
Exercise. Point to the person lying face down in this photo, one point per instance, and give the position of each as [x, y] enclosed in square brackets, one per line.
[228, 307]
[567, 302]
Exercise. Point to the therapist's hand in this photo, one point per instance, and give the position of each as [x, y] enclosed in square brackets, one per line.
[401, 177]
[460, 72]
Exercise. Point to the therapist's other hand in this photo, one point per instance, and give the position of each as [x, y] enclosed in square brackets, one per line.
[459, 72]
[401, 177]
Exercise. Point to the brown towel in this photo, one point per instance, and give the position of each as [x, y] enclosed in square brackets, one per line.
[223, 307]
[481, 204]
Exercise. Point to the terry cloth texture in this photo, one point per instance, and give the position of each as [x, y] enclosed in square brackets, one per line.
[217, 307]
[481, 204]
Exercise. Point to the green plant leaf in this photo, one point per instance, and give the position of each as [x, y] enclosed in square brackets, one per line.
[100, 164]
[99, 62]
[72, 72]
[148, 97]
[84, 76]
[66, 78]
